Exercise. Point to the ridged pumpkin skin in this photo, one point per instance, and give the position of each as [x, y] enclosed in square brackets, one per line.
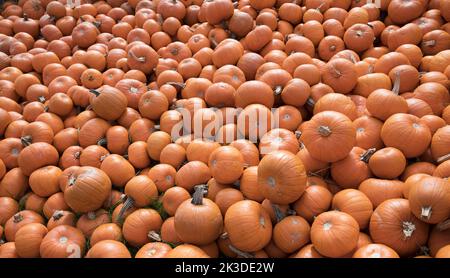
[281, 177]
[87, 189]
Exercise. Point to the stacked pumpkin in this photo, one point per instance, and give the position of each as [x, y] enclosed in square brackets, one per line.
[102, 104]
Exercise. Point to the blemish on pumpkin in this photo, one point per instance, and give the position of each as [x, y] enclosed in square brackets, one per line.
[271, 181]
[327, 226]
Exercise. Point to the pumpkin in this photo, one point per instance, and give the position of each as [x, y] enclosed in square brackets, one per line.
[191, 174]
[429, 198]
[248, 184]
[173, 197]
[281, 177]
[439, 144]
[86, 189]
[400, 126]
[19, 220]
[28, 240]
[307, 251]
[334, 233]
[108, 102]
[329, 136]
[314, 201]
[108, 249]
[375, 251]
[111, 165]
[8, 250]
[438, 239]
[186, 251]
[387, 163]
[14, 184]
[393, 224]
[8, 207]
[172, 154]
[153, 250]
[379, 190]
[88, 222]
[340, 74]
[156, 143]
[338, 103]
[444, 252]
[248, 226]
[59, 218]
[355, 203]
[402, 12]
[138, 224]
[352, 170]
[291, 233]
[207, 220]
[36, 156]
[383, 103]
[141, 191]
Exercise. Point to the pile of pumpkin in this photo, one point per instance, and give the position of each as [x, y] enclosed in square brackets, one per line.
[90, 92]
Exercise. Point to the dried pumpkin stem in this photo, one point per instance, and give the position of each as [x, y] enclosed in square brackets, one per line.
[91, 215]
[154, 236]
[408, 229]
[17, 218]
[102, 142]
[72, 180]
[279, 215]
[278, 89]
[177, 84]
[367, 155]
[58, 214]
[396, 88]
[95, 92]
[26, 140]
[324, 131]
[139, 59]
[371, 68]
[224, 235]
[429, 43]
[41, 99]
[129, 202]
[426, 213]
[197, 198]
[443, 158]
[298, 134]
[240, 253]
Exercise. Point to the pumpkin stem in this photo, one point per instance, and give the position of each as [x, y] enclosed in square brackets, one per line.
[424, 250]
[429, 43]
[46, 108]
[126, 205]
[95, 92]
[25, 17]
[197, 198]
[279, 215]
[26, 140]
[298, 134]
[57, 214]
[443, 158]
[352, 59]
[177, 84]
[332, 47]
[396, 87]
[371, 68]
[97, 24]
[102, 142]
[278, 89]
[408, 229]
[154, 236]
[426, 213]
[367, 155]
[139, 59]
[327, 226]
[444, 225]
[337, 72]
[72, 180]
[17, 218]
[41, 99]
[237, 184]
[240, 253]
[224, 235]
[324, 131]
[310, 102]
[77, 155]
